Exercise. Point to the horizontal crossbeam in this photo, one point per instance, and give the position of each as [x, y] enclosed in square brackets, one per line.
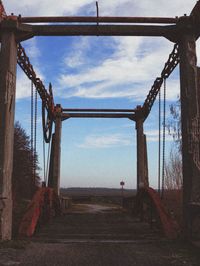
[99, 110]
[83, 19]
[98, 30]
[97, 115]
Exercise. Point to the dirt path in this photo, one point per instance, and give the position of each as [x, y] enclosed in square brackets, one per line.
[95, 235]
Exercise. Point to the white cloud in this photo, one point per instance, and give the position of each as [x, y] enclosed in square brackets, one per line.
[128, 72]
[153, 136]
[75, 58]
[45, 7]
[23, 86]
[105, 141]
[32, 49]
[106, 7]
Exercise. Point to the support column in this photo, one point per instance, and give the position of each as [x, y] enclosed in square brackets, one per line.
[50, 177]
[190, 96]
[8, 61]
[146, 170]
[142, 172]
[54, 171]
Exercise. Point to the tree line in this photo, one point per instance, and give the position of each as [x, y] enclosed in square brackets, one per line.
[24, 183]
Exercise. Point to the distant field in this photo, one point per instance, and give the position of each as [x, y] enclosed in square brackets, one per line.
[96, 192]
[98, 195]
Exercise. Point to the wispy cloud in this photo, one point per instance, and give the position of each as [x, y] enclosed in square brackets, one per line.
[153, 136]
[105, 141]
[127, 72]
[107, 7]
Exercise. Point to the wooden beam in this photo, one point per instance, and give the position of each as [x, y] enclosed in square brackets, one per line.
[97, 115]
[54, 169]
[195, 16]
[8, 62]
[101, 30]
[146, 168]
[140, 154]
[99, 110]
[83, 19]
[190, 100]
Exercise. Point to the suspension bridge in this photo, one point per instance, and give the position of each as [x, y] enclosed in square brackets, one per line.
[182, 31]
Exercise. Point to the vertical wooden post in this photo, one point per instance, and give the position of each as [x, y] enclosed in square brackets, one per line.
[54, 171]
[8, 61]
[50, 176]
[190, 96]
[140, 154]
[146, 170]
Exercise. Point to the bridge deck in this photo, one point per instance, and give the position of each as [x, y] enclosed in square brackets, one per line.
[93, 235]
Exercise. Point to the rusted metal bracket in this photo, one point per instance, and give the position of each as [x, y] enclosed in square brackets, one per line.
[2, 11]
[195, 17]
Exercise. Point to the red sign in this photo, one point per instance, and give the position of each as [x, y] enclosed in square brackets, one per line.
[122, 183]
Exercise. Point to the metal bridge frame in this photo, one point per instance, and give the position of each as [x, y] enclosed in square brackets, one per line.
[183, 31]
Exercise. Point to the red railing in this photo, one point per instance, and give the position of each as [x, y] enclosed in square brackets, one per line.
[169, 226]
[44, 205]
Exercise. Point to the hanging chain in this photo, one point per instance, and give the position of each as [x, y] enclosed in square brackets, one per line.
[32, 150]
[170, 65]
[159, 139]
[32, 117]
[164, 135]
[35, 137]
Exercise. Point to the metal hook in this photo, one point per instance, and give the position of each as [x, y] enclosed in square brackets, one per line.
[97, 7]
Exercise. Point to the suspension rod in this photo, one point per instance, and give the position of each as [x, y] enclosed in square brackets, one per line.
[82, 19]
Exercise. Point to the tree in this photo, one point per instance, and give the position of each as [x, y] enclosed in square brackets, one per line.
[22, 179]
[174, 124]
[173, 168]
[173, 171]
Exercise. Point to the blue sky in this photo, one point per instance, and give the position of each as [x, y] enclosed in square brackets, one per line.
[99, 72]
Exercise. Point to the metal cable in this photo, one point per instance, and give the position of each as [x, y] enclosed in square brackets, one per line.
[159, 139]
[163, 148]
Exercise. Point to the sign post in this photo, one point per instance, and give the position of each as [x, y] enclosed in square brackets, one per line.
[122, 183]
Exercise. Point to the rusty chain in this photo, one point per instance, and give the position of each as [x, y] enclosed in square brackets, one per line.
[46, 96]
[170, 65]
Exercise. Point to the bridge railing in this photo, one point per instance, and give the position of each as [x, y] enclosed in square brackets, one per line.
[169, 226]
[44, 205]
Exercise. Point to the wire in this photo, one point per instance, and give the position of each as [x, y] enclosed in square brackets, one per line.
[163, 150]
